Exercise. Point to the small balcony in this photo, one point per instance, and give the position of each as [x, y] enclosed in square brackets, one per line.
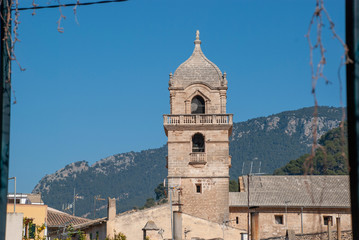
[198, 159]
[198, 121]
[190, 119]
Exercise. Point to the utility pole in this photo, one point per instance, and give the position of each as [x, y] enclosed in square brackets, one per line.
[248, 206]
[170, 189]
[76, 196]
[170, 192]
[73, 207]
[5, 99]
[260, 164]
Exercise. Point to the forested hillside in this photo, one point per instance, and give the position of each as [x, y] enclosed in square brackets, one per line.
[329, 159]
[274, 140]
[131, 177]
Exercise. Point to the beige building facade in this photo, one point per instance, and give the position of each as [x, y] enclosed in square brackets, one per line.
[34, 214]
[200, 205]
[156, 221]
[198, 129]
[302, 204]
[198, 163]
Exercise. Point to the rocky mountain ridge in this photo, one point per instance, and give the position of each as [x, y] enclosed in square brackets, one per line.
[264, 143]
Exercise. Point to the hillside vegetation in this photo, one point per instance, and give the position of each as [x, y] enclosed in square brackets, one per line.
[131, 177]
[329, 159]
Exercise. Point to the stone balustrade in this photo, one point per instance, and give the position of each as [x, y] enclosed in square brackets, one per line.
[198, 158]
[197, 119]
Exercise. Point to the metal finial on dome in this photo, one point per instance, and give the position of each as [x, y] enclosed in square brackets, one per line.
[197, 41]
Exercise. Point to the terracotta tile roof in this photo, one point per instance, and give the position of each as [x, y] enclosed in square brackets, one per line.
[297, 191]
[90, 223]
[56, 218]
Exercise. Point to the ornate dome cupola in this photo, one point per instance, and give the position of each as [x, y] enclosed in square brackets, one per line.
[198, 69]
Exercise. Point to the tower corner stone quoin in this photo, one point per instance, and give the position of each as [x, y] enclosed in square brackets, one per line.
[198, 130]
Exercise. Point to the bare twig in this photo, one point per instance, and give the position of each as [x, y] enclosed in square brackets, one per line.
[342, 135]
[75, 11]
[59, 28]
[317, 72]
[34, 5]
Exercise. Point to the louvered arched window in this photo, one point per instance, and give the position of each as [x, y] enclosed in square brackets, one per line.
[198, 105]
[198, 143]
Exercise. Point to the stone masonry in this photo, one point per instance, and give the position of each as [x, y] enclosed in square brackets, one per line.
[200, 176]
[345, 235]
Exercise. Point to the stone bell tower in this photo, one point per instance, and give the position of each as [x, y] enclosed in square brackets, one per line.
[198, 129]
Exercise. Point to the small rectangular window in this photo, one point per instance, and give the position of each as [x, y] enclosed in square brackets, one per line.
[237, 220]
[199, 188]
[278, 219]
[32, 230]
[328, 219]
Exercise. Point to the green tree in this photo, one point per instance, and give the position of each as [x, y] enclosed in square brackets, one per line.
[233, 186]
[150, 202]
[329, 158]
[160, 192]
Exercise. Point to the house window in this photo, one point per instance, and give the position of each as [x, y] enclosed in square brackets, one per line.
[237, 220]
[278, 219]
[327, 219]
[32, 229]
[198, 143]
[28, 228]
[198, 188]
[11, 200]
[198, 105]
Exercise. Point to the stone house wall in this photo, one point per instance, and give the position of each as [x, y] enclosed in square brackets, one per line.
[97, 230]
[346, 235]
[200, 228]
[131, 225]
[313, 220]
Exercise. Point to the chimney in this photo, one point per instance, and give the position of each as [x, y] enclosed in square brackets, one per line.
[241, 184]
[111, 208]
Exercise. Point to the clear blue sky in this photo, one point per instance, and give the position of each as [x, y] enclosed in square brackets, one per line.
[100, 88]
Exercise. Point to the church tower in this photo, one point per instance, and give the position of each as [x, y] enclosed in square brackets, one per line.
[198, 131]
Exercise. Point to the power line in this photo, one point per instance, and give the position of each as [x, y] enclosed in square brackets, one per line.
[67, 5]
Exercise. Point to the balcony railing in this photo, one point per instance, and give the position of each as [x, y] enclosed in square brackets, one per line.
[197, 158]
[193, 119]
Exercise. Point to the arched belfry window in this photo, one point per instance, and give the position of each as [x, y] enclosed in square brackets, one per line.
[198, 143]
[198, 105]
